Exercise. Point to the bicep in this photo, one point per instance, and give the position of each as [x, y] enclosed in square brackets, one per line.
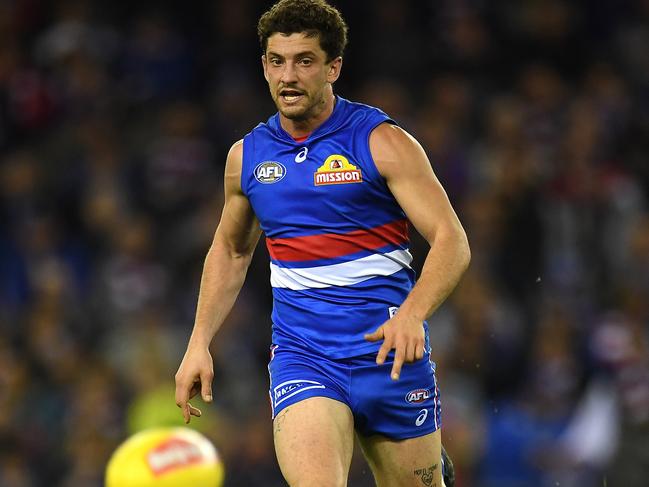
[410, 177]
[238, 230]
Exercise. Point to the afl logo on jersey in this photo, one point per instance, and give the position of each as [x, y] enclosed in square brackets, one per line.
[337, 170]
[269, 172]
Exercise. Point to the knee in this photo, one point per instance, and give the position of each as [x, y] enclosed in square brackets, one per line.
[320, 483]
[328, 479]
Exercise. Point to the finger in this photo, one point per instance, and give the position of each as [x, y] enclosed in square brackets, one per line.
[383, 353]
[195, 389]
[194, 411]
[181, 400]
[375, 336]
[419, 352]
[186, 415]
[206, 386]
[396, 365]
[181, 397]
[410, 353]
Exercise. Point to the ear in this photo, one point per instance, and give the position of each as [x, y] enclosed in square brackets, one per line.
[333, 71]
[264, 63]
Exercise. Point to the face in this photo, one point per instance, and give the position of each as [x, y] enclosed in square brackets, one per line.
[298, 75]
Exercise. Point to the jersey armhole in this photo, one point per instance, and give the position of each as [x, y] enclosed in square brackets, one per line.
[247, 151]
[367, 153]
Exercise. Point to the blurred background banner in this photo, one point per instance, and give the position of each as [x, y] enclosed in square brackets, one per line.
[115, 120]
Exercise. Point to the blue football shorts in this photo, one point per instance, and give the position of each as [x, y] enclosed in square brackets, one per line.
[405, 408]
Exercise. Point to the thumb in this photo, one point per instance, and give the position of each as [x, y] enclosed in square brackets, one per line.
[376, 335]
[206, 387]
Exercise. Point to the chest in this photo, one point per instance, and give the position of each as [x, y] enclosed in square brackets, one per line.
[318, 184]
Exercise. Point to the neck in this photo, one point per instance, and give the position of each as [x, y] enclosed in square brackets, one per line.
[301, 128]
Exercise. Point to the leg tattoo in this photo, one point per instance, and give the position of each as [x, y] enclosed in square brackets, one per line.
[277, 427]
[427, 475]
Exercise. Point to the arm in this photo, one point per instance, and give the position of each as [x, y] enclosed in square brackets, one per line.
[224, 271]
[404, 165]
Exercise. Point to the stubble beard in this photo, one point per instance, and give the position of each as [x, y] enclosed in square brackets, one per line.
[296, 114]
[302, 113]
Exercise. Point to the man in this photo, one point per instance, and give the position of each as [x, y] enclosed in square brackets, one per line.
[333, 184]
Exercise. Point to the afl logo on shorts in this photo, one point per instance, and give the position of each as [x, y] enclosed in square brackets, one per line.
[417, 396]
[270, 172]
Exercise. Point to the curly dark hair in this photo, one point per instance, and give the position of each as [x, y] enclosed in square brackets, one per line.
[315, 17]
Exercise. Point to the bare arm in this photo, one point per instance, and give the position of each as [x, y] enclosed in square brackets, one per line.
[404, 165]
[229, 255]
[224, 272]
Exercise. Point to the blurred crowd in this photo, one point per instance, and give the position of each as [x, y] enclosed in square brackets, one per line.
[115, 119]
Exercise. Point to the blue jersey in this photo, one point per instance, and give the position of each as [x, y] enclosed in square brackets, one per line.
[337, 239]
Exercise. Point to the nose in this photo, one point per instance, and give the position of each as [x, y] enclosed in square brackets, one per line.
[289, 74]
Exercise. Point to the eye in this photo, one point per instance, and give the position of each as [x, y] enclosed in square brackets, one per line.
[306, 61]
[275, 62]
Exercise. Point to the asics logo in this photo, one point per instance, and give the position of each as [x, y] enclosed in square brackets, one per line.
[301, 156]
[423, 414]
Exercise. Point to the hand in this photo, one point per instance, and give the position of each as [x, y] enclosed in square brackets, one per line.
[403, 334]
[194, 375]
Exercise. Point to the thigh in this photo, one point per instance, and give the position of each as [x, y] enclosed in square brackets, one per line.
[314, 441]
[406, 408]
[405, 463]
[298, 375]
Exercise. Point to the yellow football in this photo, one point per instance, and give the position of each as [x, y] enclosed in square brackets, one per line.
[165, 457]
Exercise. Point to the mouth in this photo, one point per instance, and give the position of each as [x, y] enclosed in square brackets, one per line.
[290, 96]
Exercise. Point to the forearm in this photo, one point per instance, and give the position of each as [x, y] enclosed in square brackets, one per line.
[447, 259]
[222, 279]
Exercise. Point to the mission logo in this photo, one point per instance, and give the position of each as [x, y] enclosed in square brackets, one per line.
[337, 170]
[270, 172]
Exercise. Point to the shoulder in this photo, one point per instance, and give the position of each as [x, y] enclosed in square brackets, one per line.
[233, 165]
[235, 154]
[264, 129]
[362, 110]
[393, 149]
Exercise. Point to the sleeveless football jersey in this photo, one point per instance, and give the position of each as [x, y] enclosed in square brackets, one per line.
[337, 239]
